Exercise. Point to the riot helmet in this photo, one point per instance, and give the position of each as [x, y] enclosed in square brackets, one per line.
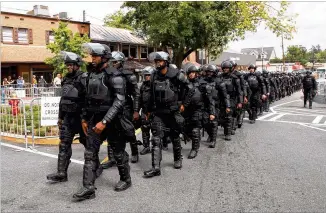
[117, 59]
[97, 49]
[160, 58]
[226, 65]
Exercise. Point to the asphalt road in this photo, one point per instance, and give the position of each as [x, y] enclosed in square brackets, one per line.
[275, 165]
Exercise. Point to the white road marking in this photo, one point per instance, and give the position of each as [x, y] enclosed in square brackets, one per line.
[37, 152]
[324, 130]
[296, 113]
[266, 116]
[294, 122]
[272, 108]
[317, 119]
[277, 117]
[305, 110]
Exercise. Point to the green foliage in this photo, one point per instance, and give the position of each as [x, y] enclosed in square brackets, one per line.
[117, 20]
[65, 40]
[188, 26]
[300, 54]
[15, 124]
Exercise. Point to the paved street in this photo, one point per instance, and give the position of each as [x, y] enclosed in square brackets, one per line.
[277, 164]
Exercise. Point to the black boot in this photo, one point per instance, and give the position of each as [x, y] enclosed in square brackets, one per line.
[111, 161]
[134, 150]
[124, 172]
[165, 144]
[156, 159]
[310, 104]
[99, 168]
[233, 127]
[227, 137]
[146, 137]
[177, 153]
[63, 164]
[89, 176]
[195, 143]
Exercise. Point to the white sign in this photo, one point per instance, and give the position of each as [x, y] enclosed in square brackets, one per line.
[21, 93]
[49, 111]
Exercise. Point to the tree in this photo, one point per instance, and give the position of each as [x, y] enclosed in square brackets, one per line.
[276, 60]
[117, 20]
[188, 26]
[296, 53]
[65, 40]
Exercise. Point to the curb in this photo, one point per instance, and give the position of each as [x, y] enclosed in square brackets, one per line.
[45, 141]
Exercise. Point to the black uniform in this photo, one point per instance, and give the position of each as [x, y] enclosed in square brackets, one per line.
[273, 89]
[309, 88]
[267, 82]
[240, 112]
[105, 100]
[233, 87]
[200, 98]
[70, 106]
[165, 99]
[144, 101]
[257, 88]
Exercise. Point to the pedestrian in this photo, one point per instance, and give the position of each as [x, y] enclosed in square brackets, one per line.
[309, 88]
[20, 82]
[57, 80]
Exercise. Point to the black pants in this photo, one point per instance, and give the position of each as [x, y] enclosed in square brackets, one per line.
[70, 127]
[162, 122]
[255, 104]
[308, 95]
[115, 134]
[145, 129]
[193, 119]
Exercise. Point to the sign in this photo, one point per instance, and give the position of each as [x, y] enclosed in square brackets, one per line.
[21, 93]
[49, 111]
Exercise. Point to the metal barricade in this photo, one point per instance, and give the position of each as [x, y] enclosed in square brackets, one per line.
[13, 119]
[38, 131]
[29, 91]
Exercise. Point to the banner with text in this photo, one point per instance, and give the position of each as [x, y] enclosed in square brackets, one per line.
[49, 111]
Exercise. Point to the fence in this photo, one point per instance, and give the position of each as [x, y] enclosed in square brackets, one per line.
[22, 120]
[29, 91]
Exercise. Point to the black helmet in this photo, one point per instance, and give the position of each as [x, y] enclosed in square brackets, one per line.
[190, 67]
[265, 71]
[70, 57]
[211, 68]
[252, 66]
[234, 64]
[118, 56]
[173, 66]
[98, 49]
[226, 64]
[149, 70]
[258, 73]
[308, 72]
[159, 56]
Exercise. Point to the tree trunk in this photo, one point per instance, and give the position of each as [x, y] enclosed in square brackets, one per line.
[178, 58]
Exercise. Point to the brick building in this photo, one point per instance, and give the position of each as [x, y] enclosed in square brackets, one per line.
[24, 38]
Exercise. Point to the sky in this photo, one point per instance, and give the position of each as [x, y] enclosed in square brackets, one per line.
[310, 23]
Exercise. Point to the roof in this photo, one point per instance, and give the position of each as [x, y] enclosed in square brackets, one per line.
[111, 34]
[241, 59]
[27, 53]
[43, 17]
[267, 50]
[133, 65]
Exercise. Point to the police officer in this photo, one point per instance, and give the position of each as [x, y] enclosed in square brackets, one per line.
[102, 119]
[267, 82]
[69, 121]
[309, 88]
[166, 105]
[144, 99]
[221, 99]
[233, 87]
[258, 91]
[201, 96]
[131, 108]
[273, 88]
[239, 118]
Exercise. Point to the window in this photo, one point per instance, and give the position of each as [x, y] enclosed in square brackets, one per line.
[133, 52]
[150, 50]
[125, 50]
[143, 52]
[113, 47]
[23, 36]
[7, 34]
[51, 37]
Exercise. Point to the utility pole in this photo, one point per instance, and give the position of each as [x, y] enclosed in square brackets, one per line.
[262, 58]
[84, 16]
[283, 54]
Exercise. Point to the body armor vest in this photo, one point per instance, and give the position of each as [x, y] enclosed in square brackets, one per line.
[71, 91]
[253, 82]
[98, 94]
